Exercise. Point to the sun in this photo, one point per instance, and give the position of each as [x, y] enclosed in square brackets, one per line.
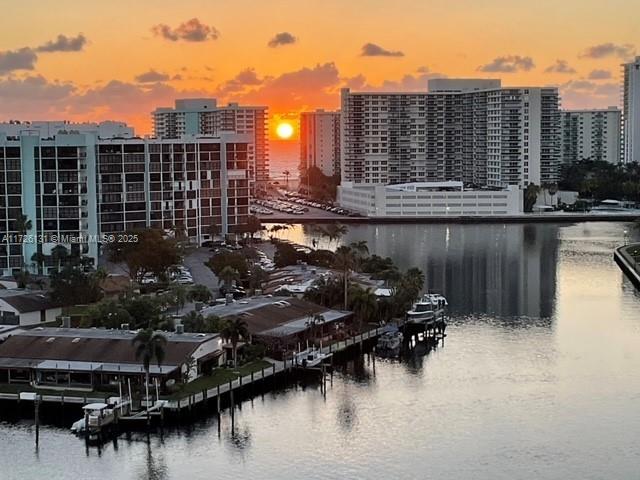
[284, 130]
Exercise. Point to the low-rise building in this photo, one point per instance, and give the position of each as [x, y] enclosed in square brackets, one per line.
[94, 358]
[425, 199]
[27, 307]
[283, 323]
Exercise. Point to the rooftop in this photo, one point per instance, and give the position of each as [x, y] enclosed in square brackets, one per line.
[25, 301]
[276, 316]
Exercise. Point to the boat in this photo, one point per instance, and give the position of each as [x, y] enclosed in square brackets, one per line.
[390, 341]
[98, 416]
[429, 307]
[310, 357]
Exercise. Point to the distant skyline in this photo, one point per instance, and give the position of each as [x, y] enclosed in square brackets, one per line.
[119, 60]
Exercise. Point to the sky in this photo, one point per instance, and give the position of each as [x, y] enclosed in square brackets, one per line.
[118, 60]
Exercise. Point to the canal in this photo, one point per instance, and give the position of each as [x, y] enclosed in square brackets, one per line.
[539, 378]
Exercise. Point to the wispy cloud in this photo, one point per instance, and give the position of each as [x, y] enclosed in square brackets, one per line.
[190, 31]
[64, 44]
[561, 66]
[609, 49]
[508, 64]
[599, 75]
[373, 50]
[282, 38]
[152, 76]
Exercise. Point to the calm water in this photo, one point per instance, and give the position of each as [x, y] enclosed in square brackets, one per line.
[539, 379]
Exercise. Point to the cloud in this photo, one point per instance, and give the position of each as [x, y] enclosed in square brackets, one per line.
[588, 94]
[246, 78]
[190, 31]
[599, 75]
[609, 49]
[508, 64]
[21, 59]
[33, 95]
[561, 66]
[407, 83]
[151, 76]
[64, 44]
[373, 50]
[309, 87]
[282, 38]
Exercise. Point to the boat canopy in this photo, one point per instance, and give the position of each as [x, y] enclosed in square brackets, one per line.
[95, 406]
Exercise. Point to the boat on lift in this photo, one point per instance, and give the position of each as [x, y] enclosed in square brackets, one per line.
[430, 307]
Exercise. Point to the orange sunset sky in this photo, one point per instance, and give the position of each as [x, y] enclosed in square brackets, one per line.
[118, 60]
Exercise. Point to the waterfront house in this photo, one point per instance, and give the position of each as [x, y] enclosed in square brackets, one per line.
[90, 358]
[27, 307]
[283, 323]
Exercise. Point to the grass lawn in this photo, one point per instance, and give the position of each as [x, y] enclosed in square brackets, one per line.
[220, 376]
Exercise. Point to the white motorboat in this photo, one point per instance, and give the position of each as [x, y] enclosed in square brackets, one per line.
[311, 357]
[429, 307]
[100, 415]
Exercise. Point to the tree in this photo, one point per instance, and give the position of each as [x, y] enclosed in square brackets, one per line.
[360, 250]
[72, 286]
[195, 322]
[149, 346]
[22, 225]
[257, 277]
[365, 305]
[313, 320]
[228, 275]
[285, 255]
[253, 226]
[530, 196]
[59, 254]
[179, 297]
[39, 259]
[286, 174]
[414, 281]
[107, 314]
[144, 311]
[151, 253]
[344, 261]
[234, 260]
[199, 293]
[233, 331]
[335, 231]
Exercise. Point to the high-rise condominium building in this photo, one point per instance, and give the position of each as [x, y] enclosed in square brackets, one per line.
[631, 111]
[320, 141]
[46, 129]
[203, 116]
[474, 131]
[591, 135]
[74, 187]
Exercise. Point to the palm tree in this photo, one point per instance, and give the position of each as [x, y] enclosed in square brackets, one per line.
[22, 225]
[149, 346]
[361, 251]
[59, 254]
[286, 174]
[415, 280]
[228, 275]
[179, 297]
[235, 329]
[39, 258]
[344, 261]
[253, 225]
[313, 320]
[335, 231]
[365, 305]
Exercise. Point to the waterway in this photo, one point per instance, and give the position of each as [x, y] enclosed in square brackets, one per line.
[539, 378]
